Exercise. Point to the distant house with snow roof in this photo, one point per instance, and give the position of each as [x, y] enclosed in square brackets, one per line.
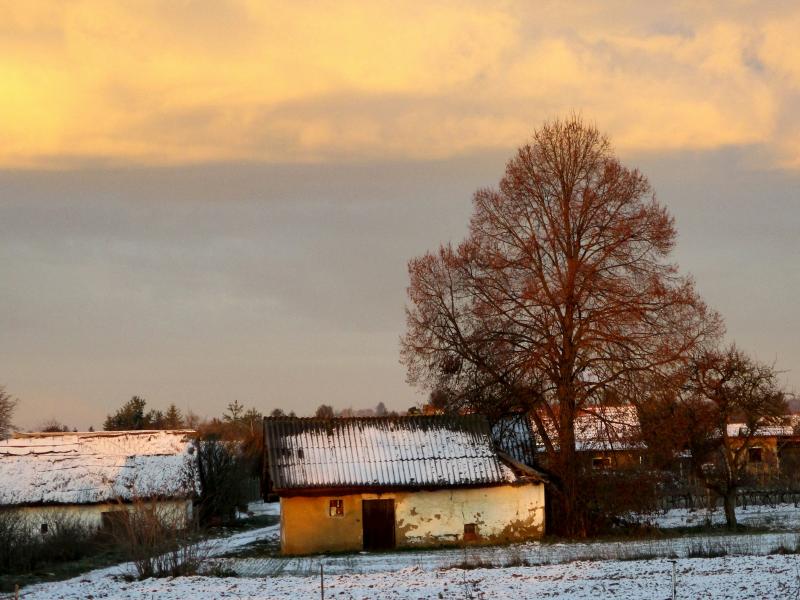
[90, 476]
[384, 482]
[605, 436]
[773, 451]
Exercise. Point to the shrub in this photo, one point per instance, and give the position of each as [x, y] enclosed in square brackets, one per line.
[611, 496]
[158, 541]
[706, 549]
[221, 468]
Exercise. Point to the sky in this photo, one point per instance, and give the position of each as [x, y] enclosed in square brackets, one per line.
[203, 202]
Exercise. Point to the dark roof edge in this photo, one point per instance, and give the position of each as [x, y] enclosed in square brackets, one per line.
[387, 489]
[526, 470]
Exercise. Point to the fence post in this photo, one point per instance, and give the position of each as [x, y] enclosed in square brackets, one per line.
[674, 582]
[16, 591]
[321, 583]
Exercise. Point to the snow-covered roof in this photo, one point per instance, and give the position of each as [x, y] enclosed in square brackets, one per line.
[382, 452]
[600, 429]
[86, 468]
[740, 429]
[608, 428]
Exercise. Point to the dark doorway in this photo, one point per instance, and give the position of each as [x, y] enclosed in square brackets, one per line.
[377, 517]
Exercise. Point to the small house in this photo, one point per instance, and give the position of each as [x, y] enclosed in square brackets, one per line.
[89, 477]
[772, 455]
[375, 483]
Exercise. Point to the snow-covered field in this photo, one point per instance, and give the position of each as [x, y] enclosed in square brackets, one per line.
[780, 517]
[742, 578]
[532, 554]
[750, 566]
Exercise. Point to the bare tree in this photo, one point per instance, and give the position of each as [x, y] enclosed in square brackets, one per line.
[7, 406]
[53, 426]
[235, 412]
[192, 420]
[324, 411]
[561, 292]
[730, 400]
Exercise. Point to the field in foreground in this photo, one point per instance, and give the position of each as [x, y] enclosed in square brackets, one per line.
[733, 577]
[707, 565]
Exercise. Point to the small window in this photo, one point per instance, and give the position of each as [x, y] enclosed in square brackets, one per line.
[470, 531]
[336, 508]
[44, 528]
[754, 455]
[601, 462]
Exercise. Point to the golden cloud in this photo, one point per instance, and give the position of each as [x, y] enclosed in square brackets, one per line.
[180, 82]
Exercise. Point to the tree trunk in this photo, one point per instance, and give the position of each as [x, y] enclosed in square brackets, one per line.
[571, 521]
[729, 501]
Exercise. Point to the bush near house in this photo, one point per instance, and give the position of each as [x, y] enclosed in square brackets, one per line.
[159, 543]
[221, 470]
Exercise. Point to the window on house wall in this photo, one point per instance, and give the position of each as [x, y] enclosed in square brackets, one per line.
[336, 507]
[755, 455]
[44, 528]
[470, 531]
[601, 462]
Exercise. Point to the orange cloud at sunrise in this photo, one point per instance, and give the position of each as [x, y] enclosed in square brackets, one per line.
[92, 81]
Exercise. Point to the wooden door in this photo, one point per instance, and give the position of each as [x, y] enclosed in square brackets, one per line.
[377, 517]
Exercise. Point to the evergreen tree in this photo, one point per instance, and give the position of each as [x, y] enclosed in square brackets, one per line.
[173, 419]
[130, 417]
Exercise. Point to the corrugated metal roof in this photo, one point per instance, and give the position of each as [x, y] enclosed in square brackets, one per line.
[514, 436]
[387, 452]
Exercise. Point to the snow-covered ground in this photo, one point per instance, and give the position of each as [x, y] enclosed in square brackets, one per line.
[533, 554]
[741, 578]
[260, 509]
[750, 566]
[110, 577]
[780, 517]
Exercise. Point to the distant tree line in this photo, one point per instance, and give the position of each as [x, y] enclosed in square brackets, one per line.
[7, 406]
[326, 411]
[133, 415]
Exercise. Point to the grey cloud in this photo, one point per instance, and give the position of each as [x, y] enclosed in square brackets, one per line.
[284, 285]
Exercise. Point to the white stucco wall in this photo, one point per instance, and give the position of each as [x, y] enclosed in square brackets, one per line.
[90, 515]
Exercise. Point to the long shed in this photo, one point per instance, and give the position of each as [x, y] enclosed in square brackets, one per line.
[88, 476]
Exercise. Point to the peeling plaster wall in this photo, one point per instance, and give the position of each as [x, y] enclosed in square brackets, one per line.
[427, 518]
[500, 514]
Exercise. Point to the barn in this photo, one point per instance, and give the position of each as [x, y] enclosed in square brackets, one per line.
[376, 483]
[89, 476]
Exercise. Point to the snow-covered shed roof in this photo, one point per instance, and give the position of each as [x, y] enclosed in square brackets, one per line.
[87, 468]
[382, 452]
